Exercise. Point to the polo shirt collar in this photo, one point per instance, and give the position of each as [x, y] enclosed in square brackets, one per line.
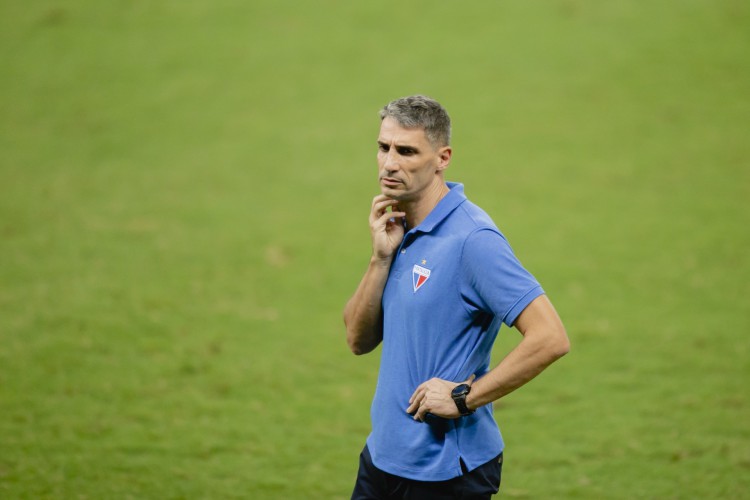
[444, 207]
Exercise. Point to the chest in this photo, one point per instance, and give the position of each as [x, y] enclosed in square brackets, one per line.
[425, 272]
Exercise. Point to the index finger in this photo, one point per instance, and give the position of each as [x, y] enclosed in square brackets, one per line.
[380, 202]
[416, 393]
[380, 197]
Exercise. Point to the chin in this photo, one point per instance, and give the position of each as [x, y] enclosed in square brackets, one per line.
[393, 194]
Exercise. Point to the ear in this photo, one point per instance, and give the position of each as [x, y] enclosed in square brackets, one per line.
[444, 157]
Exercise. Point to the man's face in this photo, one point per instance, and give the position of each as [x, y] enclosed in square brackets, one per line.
[407, 162]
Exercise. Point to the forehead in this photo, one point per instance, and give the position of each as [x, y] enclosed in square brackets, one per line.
[391, 132]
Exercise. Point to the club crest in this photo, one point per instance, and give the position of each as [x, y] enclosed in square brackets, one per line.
[419, 276]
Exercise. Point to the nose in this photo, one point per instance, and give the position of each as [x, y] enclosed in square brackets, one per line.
[390, 162]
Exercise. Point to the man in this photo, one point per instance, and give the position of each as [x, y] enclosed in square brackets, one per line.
[440, 282]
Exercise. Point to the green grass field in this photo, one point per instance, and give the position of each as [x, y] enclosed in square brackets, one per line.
[184, 190]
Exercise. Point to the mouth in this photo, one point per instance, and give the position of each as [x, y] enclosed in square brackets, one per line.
[389, 181]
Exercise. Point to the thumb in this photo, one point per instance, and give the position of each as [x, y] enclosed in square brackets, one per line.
[470, 379]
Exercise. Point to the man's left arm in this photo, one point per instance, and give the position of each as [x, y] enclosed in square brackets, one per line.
[544, 341]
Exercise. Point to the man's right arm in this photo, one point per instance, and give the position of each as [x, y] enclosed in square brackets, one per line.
[363, 314]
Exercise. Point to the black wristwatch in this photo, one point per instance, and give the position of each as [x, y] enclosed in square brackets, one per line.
[459, 394]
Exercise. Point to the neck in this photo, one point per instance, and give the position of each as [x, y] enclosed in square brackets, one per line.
[418, 210]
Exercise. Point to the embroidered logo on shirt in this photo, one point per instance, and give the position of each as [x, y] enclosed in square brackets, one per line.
[419, 276]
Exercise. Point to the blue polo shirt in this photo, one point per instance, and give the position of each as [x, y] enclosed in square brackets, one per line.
[453, 282]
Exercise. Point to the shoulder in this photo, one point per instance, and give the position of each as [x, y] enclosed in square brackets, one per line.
[472, 218]
[480, 234]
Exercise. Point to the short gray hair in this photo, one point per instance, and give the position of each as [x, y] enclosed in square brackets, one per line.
[418, 111]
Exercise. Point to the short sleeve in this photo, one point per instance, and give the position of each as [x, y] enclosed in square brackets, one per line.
[493, 278]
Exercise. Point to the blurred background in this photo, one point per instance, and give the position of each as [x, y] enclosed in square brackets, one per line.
[184, 192]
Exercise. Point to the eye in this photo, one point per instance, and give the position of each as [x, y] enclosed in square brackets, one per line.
[405, 151]
[383, 147]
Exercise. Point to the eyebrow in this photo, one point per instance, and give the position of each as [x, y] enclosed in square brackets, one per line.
[399, 146]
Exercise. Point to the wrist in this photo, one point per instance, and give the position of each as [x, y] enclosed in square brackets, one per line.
[471, 401]
[459, 394]
[381, 262]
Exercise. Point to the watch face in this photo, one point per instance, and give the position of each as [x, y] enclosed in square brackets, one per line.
[460, 390]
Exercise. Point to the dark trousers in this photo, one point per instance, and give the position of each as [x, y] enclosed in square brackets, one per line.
[375, 484]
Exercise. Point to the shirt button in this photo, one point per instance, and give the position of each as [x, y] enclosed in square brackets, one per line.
[403, 250]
